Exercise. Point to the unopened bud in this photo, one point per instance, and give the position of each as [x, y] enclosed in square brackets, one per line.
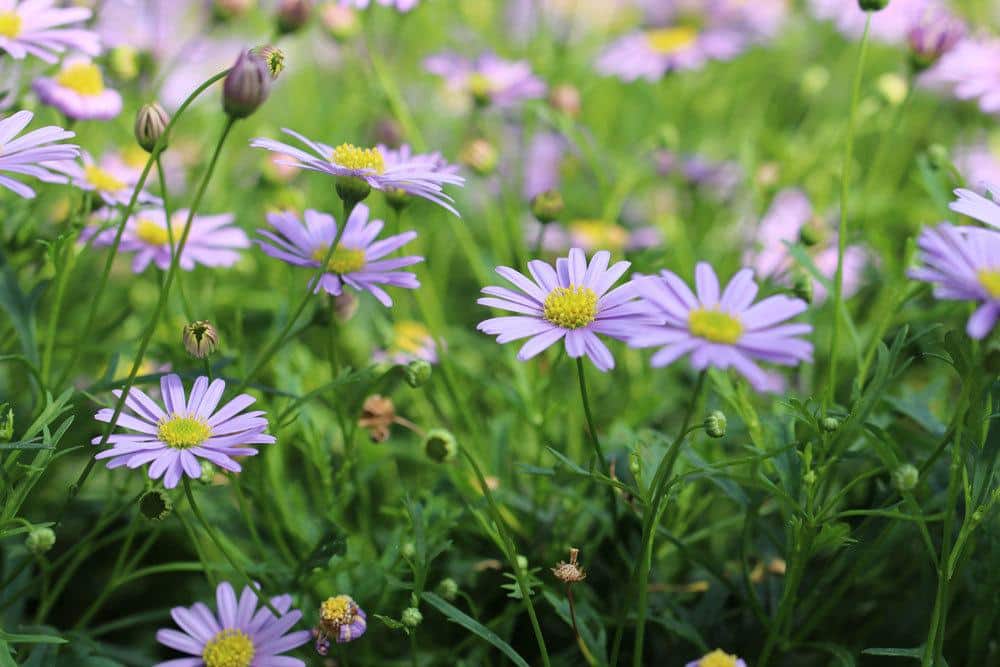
[408, 550]
[150, 124]
[207, 473]
[809, 478]
[939, 157]
[292, 15]
[448, 589]
[715, 424]
[6, 421]
[829, 424]
[809, 234]
[480, 156]
[565, 98]
[273, 57]
[440, 445]
[155, 505]
[40, 540]
[417, 373]
[411, 617]
[873, 5]
[905, 477]
[802, 286]
[340, 21]
[547, 206]
[200, 339]
[246, 86]
[635, 464]
[522, 562]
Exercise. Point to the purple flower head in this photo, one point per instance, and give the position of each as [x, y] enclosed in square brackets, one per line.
[212, 241]
[570, 302]
[174, 437]
[340, 617]
[722, 331]
[358, 261]
[890, 25]
[27, 154]
[720, 177]
[934, 33]
[591, 235]
[78, 91]
[39, 28]
[240, 634]
[717, 658]
[418, 176]
[111, 179]
[963, 263]
[410, 341]
[978, 163]
[488, 80]
[976, 206]
[398, 5]
[969, 71]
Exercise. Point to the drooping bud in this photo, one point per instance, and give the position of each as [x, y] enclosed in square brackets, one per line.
[155, 505]
[411, 617]
[246, 86]
[448, 589]
[480, 156]
[829, 424]
[292, 15]
[715, 424]
[40, 540]
[440, 445]
[417, 372]
[565, 98]
[273, 56]
[150, 124]
[200, 339]
[905, 477]
[547, 206]
[873, 5]
[802, 286]
[6, 421]
[340, 22]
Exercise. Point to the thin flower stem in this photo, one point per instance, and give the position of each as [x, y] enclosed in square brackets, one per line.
[168, 217]
[602, 462]
[587, 655]
[845, 181]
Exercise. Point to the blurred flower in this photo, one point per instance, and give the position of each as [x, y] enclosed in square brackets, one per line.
[212, 240]
[78, 91]
[292, 15]
[340, 617]
[720, 177]
[174, 440]
[110, 178]
[979, 162]
[969, 71]
[717, 658]
[27, 155]
[404, 158]
[541, 163]
[963, 263]
[722, 331]
[400, 5]
[570, 302]
[239, 634]
[488, 80]
[480, 155]
[420, 175]
[357, 260]
[410, 341]
[593, 234]
[890, 25]
[39, 28]
[976, 206]
[932, 34]
[565, 98]
[339, 20]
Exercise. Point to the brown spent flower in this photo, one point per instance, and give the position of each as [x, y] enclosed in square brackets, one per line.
[377, 415]
[570, 572]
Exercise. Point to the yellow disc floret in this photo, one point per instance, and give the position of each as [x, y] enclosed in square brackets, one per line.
[229, 648]
[101, 179]
[571, 307]
[152, 233]
[990, 279]
[600, 234]
[337, 611]
[82, 78]
[671, 40]
[718, 658]
[409, 336]
[715, 325]
[344, 260]
[10, 24]
[184, 432]
[352, 157]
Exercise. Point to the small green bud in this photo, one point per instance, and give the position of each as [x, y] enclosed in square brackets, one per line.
[411, 617]
[905, 477]
[809, 478]
[522, 563]
[715, 424]
[809, 235]
[547, 206]
[207, 472]
[829, 424]
[6, 421]
[397, 199]
[155, 505]
[200, 339]
[938, 156]
[635, 464]
[352, 190]
[150, 124]
[40, 540]
[440, 445]
[448, 588]
[417, 373]
[407, 550]
[802, 286]
[873, 5]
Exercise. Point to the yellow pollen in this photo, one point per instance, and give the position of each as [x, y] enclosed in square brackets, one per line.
[671, 40]
[715, 325]
[184, 432]
[409, 336]
[337, 611]
[101, 179]
[352, 157]
[600, 234]
[718, 658]
[571, 307]
[83, 78]
[10, 24]
[229, 648]
[344, 260]
[990, 279]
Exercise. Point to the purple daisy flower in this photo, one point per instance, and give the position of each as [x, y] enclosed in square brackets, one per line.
[241, 634]
[889, 25]
[978, 163]
[418, 176]
[110, 178]
[976, 206]
[399, 5]
[488, 80]
[33, 26]
[174, 438]
[717, 658]
[722, 331]
[570, 302]
[932, 34]
[963, 263]
[27, 154]
[212, 240]
[969, 70]
[78, 92]
[356, 262]
[340, 617]
[720, 177]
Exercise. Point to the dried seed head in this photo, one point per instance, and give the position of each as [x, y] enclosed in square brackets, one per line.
[377, 415]
[570, 572]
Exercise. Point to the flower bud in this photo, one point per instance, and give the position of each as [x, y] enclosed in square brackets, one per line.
[481, 90]
[809, 478]
[522, 562]
[411, 617]
[873, 5]
[829, 424]
[40, 540]
[6, 421]
[200, 339]
[340, 22]
[802, 286]
[440, 445]
[715, 424]
[905, 477]
[565, 98]
[408, 550]
[810, 234]
[246, 86]
[635, 464]
[150, 124]
[352, 190]
[292, 15]
[480, 156]
[155, 505]
[417, 373]
[448, 589]
[547, 206]
[208, 472]
[273, 57]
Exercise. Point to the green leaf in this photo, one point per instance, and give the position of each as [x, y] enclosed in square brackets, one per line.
[842, 655]
[456, 615]
[12, 638]
[915, 653]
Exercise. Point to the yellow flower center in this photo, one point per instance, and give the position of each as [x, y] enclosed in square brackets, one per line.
[229, 648]
[352, 157]
[10, 24]
[101, 179]
[409, 336]
[184, 432]
[990, 279]
[571, 307]
[154, 233]
[718, 658]
[715, 325]
[480, 87]
[344, 260]
[83, 78]
[135, 156]
[598, 233]
[671, 40]
[337, 611]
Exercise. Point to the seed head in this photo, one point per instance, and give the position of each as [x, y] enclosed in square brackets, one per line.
[273, 56]
[200, 339]
[150, 124]
[570, 572]
[377, 416]
[411, 617]
[905, 477]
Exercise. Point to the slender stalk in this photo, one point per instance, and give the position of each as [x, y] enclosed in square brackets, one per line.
[602, 462]
[168, 217]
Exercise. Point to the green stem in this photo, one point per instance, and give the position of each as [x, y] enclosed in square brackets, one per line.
[168, 217]
[796, 568]
[602, 462]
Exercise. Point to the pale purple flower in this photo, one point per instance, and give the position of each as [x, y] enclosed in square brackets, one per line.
[110, 179]
[399, 5]
[978, 163]
[239, 634]
[78, 92]
[977, 206]
[717, 658]
[570, 302]
[970, 72]
[174, 437]
[722, 331]
[27, 154]
[410, 341]
[889, 25]
[404, 158]
[359, 261]
[963, 263]
[488, 79]
[420, 176]
[40, 28]
[542, 162]
[212, 241]
[720, 177]
[932, 34]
